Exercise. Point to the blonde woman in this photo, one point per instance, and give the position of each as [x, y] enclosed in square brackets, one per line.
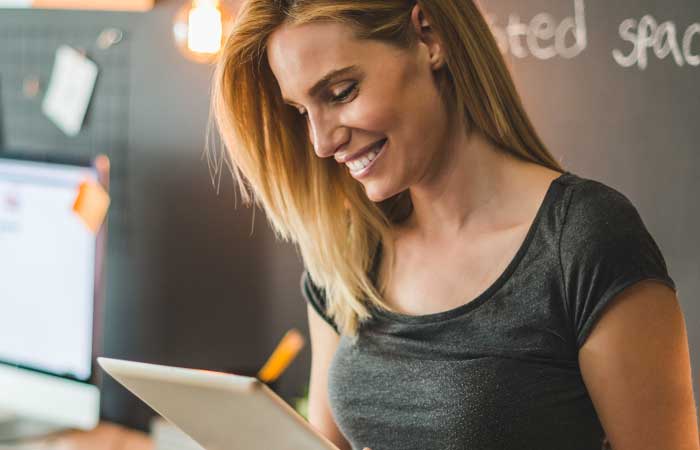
[464, 291]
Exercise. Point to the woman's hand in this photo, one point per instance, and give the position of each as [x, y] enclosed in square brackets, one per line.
[366, 448]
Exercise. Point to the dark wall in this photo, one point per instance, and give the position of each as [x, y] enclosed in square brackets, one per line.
[622, 113]
[189, 280]
[189, 284]
[209, 288]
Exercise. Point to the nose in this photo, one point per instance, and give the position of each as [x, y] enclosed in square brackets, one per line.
[327, 133]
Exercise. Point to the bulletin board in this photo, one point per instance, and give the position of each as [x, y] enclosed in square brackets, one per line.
[27, 56]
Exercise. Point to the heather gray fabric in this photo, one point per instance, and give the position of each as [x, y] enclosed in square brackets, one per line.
[501, 371]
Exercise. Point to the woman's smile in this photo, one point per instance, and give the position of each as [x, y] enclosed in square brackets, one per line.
[360, 167]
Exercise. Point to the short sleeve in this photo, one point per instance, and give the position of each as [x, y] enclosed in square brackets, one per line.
[604, 248]
[316, 297]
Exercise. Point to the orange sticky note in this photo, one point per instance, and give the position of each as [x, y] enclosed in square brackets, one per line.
[91, 204]
[283, 355]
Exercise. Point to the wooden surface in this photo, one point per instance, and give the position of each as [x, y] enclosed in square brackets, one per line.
[106, 436]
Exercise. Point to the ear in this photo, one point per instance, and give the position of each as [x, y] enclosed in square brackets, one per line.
[427, 36]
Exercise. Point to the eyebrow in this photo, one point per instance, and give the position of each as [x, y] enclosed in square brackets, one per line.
[326, 80]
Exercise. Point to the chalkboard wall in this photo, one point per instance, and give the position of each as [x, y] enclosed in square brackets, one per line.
[614, 90]
[612, 87]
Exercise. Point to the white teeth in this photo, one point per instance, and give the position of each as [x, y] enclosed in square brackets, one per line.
[362, 162]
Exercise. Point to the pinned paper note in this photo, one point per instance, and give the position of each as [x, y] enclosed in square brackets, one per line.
[70, 88]
[91, 205]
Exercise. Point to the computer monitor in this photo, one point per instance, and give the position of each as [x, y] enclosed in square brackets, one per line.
[50, 296]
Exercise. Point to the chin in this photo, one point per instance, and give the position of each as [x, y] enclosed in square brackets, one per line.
[377, 194]
[376, 199]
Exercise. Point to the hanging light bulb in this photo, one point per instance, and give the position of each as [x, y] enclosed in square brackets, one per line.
[199, 29]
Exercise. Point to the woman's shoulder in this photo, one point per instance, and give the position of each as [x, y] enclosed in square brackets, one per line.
[312, 292]
[316, 297]
[604, 247]
[591, 189]
[590, 203]
[601, 224]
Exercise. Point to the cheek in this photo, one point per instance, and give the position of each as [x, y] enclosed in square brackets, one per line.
[416, 107]
[380, 106]
[426, 119]
[373, 113]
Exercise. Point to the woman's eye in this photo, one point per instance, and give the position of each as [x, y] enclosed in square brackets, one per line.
[342, 96]
[345, 94]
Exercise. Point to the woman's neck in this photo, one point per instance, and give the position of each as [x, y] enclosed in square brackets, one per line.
[467, 191]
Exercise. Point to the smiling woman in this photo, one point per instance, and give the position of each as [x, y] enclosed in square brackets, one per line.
[384, 96]
[300, 81]
[464, 291]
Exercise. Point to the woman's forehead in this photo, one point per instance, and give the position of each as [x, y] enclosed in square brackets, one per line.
[298, 46]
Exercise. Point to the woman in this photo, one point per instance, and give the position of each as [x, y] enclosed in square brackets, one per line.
[386, 139]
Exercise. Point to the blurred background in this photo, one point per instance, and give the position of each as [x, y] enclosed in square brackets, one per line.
[192, 278]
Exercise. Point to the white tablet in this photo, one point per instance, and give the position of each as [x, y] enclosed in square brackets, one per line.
[219, 411]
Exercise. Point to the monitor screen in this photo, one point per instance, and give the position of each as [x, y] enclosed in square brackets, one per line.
[47, 268]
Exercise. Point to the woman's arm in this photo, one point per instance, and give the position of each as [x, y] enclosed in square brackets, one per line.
[324, 341]
[636, 366]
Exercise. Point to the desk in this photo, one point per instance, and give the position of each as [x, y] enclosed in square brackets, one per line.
[107, 436]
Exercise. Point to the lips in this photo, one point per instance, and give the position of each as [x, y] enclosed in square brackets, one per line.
[364, 151]
[360, 169]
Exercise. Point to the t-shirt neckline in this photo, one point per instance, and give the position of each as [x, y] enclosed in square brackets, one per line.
[495, 286]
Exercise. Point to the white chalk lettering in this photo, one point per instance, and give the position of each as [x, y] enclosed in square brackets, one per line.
[661, 38]
[544, 39]
[541, 28]
[515, 31]
[577, 25]
[662, 47]
[627, 33]
[693, 60]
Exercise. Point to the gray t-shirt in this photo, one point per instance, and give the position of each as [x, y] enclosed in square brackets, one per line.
[501, 371]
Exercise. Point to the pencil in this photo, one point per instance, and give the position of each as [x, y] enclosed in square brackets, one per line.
[282, 356]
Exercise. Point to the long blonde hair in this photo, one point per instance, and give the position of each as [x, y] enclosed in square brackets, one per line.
[312, 201]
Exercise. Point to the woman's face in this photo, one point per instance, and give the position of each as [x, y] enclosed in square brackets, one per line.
[379, 113]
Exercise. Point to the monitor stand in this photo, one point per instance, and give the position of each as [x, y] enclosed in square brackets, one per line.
[15, 429]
